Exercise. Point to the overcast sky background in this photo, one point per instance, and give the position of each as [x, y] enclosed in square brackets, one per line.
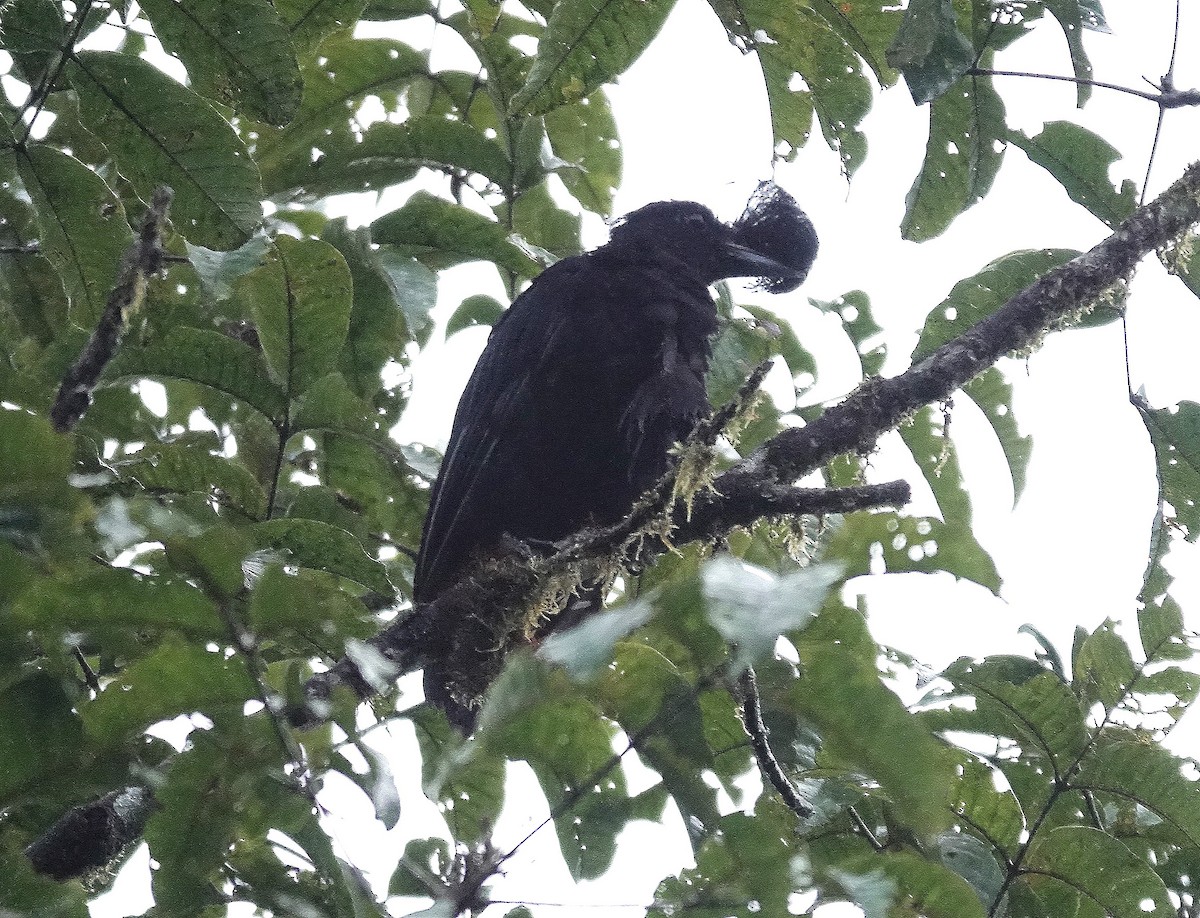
[695, 125]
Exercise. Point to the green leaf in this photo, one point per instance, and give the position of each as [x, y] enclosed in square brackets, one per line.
[976, 297]
[28, 894]
[387, 154]
[963, 155]
[441, 234]
[185, 467]
[300, 299]
[868, 28]
[393, 295]
[102, 600]
[1070, 15]
[1103, 667]
[224, 789]
[1080, 161]
[1017, 698]
[322, 547]
[532, 713]
[479, 309]
[34, 33]
[208, 358]
[1147, 774]
[39, 734]
[812, 56]
[737, 864]
[586, 44]
[336, 82]
[330, 404]
[863, 724]
[34, 465]
[466, 782]
[1100, 868]
[540, 222]
[930, 50]
[308, 604]
[853, 310]
[653, 701]
[935, 454]
[165, 134]
[994, 396]
[586, 146]
[83, 228]
[236, 52]
[996, 814]
[1175, 433]
[876, 543]
[883, 884]
[309, 21]
[32, 25]
[171, 680]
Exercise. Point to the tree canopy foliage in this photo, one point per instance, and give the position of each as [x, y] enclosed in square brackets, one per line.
[205, 519]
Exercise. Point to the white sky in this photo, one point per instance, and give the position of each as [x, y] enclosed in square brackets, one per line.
[694, 125]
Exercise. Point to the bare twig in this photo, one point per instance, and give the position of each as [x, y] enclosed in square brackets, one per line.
[1164, 96]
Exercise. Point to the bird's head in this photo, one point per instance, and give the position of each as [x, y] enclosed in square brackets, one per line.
[773, 240]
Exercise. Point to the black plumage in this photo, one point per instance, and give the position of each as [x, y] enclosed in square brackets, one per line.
[592, 374]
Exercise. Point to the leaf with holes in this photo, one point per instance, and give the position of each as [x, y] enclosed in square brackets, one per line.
[864, 727]
[586, 146]
[321, 547]
[1175, 433]
[994, 396]
[1080, 161]
[586, 44]
[173, 679]
[441, 234]
[162, 133]
[962, 156]
[188, 468]
[237, 52]
[1020, 699]
[300, 299]
[309, 21]
[336, 82]
[1100, 868]
[207, 358]
[1070, 15]
[1146, 773]
[1103, 669]
[929, 49]
[84, 232]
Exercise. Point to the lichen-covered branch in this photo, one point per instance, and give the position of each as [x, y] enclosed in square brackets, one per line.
[142, 260]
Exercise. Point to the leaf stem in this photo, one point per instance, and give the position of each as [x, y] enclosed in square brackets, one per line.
[1165, 96]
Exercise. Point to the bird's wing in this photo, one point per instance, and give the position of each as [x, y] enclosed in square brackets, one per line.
[498, 394]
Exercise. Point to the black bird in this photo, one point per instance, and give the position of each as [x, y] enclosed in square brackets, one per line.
[591, 375]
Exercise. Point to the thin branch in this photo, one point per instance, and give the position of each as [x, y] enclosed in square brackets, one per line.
[1163, 96]
[38, 97]
[760, 742]
[89, 675]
